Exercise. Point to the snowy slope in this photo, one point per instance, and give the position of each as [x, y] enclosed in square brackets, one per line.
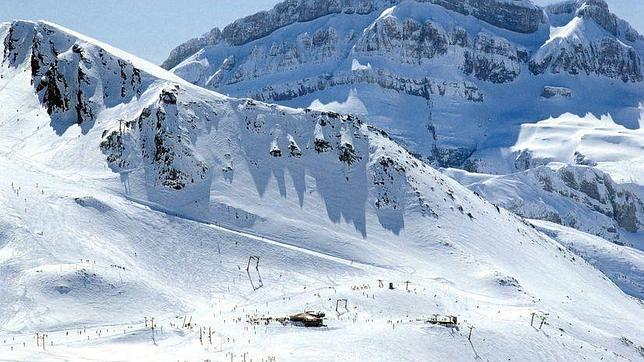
[151, 207]
[577, 196]
[583, 140]
[448, 82]
[622, 264]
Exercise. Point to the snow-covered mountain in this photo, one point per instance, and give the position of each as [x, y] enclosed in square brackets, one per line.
[458, 88]
[129, 193]
[581, 197]
[454, 81]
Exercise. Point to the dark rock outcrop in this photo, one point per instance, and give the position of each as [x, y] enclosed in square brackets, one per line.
[66, 77]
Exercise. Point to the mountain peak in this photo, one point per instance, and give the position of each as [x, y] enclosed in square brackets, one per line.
[429, 56]
[599, 12]
[75, 76]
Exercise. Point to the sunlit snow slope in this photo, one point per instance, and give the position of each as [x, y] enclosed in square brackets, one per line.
[578, 196]
[128, 194]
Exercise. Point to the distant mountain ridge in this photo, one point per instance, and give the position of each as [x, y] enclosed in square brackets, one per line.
[518, 15]
[469, 78]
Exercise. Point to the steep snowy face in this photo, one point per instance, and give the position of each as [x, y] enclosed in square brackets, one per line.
[448, 79]
[590, 39]
[622, 264]
[564, 12]
[577, 196]
[584, 46]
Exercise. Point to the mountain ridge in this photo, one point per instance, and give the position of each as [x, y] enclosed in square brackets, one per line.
[304, 10]
[454, 67]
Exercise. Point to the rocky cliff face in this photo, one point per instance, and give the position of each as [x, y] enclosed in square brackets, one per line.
[488, 58]
[72, 83]
[517, 15]
[160, 140]
[577, 196]
[418, 87]
[453, 59]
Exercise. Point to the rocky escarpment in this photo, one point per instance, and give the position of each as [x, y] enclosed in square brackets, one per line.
[520, 16]
[399, 37]
[160, 140]
[581, 197]
[420, 87]
[550, 92]
[72, 82]
[484, 57]
[594, 41]
[596, 190]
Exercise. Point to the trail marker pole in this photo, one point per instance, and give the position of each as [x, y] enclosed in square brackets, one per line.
[152, 329]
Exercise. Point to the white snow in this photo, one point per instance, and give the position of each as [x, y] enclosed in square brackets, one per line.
[352, 104]
[615, 148]
[356, 66]
[622, 264]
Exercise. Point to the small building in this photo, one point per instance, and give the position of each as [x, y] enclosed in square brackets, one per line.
[443, 320]
[308, 319]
